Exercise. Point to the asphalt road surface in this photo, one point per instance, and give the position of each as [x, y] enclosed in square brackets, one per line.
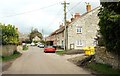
[35, 61]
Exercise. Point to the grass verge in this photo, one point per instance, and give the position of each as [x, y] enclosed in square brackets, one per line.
[60, 52]
[25, 47]
[95, 68]
[0, 59]
[11, 57]
[103, 69]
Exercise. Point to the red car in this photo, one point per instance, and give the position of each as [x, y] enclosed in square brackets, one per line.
[49, 49]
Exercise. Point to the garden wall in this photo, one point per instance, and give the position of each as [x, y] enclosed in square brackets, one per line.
[7, 50]
[104, 57]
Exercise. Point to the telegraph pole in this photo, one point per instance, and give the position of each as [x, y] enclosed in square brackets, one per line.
[42, 33]
[65, 33]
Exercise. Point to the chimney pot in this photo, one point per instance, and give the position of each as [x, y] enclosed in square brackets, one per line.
[77, 15]
[88, 7]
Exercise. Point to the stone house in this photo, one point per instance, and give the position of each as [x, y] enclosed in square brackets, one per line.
[83, 30]
[57, 37]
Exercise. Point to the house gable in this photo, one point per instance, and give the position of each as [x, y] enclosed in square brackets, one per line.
[89, 24]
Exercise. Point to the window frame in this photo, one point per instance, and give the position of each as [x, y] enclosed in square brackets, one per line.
[78, 28]
[79, 43]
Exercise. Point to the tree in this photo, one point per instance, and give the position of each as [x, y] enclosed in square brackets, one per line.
[9, 34]
[110, 25]
[35, 32]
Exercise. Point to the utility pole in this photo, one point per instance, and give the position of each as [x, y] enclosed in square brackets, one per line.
[43, 33]
[65, 33]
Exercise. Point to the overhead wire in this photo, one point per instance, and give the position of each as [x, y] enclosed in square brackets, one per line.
[55, 18]
[74, 6]
[51, 23]
[32, 10]
[69, 10]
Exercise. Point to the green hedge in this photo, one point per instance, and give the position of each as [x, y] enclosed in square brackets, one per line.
[110, 25]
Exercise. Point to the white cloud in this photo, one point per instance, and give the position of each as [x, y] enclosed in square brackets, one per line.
[34, 16]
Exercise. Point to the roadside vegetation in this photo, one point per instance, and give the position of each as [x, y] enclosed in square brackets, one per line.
[69, 52]
[11, 57]
[25, 47]
[110, 26]
[0, 59]
[88, 63]
[9, 36]
[60, 52]
[103, 69]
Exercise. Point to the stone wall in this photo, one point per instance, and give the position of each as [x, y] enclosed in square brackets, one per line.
[104, 57]
[7, 50]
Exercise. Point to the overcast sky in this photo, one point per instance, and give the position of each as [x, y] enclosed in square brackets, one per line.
[40, 14]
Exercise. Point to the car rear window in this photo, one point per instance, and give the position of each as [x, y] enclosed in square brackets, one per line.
[49, 46]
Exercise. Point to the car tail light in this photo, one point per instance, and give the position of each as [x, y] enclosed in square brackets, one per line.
[45, 48]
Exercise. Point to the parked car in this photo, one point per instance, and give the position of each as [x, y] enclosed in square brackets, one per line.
[23, 43]
[40, 45]
[32, 44]
[49, 49]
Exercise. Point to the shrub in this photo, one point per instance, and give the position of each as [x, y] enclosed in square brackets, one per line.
[9, 34]
[110, 25]
[25, 47]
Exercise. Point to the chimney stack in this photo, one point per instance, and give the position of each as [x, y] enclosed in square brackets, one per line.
[72, 19]
[77, 15]
[88, 7]
[61, 25]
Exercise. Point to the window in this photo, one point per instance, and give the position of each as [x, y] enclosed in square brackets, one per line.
[79, 29]
[79, 43]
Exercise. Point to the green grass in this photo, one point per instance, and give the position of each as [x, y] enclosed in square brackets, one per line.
[11, 57]
[103, 69]
[25, 47]
[60, 52]
[0, 59]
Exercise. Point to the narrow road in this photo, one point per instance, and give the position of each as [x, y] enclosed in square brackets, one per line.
[35, 61]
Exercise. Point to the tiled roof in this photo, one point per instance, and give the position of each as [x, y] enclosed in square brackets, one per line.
[62, 28]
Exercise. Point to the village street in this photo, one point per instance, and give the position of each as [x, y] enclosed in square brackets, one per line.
[35, 61]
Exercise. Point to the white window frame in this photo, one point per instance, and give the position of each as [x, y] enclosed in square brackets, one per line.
[79, 43]
[79, 28]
